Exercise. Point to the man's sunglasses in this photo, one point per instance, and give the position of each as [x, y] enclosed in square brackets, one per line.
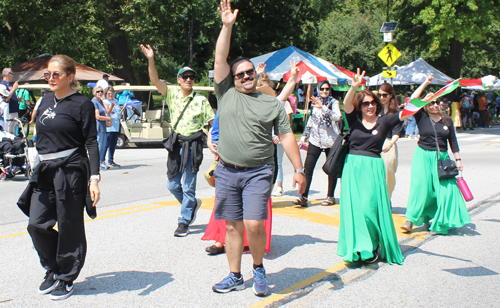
[185, 77]
[241, 75]
[54, 75]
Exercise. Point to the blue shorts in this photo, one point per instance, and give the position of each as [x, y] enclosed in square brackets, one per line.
[242, 194]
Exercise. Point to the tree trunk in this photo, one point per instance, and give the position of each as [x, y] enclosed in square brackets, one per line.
[455, 58]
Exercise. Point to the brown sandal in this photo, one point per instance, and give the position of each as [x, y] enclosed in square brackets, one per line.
[302, 201]
[329, 201]
[407, 227]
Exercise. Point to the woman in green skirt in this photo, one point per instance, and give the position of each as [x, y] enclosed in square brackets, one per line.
[365, 212]
[432, 198]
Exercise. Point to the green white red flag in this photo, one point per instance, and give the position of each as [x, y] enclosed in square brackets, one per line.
[415, 104]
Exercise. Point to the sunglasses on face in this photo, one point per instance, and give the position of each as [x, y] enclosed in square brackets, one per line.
[324, 89]
[185, 77]
[110, 93]
[368, 103]
[383, 95]
[433, 103]
[98, 91]
[54, 75]
[241, 75]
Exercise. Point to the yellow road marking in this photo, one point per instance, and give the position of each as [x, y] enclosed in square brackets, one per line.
[302, 284]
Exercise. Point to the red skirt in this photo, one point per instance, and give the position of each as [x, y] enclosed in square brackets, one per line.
[216, 229]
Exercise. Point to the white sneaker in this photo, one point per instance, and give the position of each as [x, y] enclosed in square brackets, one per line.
[278, 192]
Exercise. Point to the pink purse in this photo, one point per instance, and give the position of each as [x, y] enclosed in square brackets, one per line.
[464, 188]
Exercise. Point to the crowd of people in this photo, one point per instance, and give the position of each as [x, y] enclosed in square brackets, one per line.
[250, 134]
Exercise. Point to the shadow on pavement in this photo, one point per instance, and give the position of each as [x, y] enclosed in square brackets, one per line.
[115, 282]
[413, 250]
[477, 271]
[282, 282]
[127, 167]
[283, 244]
[399, 210]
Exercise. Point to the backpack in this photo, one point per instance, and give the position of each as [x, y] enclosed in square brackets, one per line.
[466, 103]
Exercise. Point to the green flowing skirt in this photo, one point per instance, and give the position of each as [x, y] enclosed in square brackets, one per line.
[365, 212]
[431, 198]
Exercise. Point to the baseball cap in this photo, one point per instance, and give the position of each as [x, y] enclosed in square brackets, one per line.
[105, 75]
[3, 90]
[185, 69]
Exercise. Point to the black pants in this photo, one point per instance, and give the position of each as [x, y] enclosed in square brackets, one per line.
[63, 251]
[313, 153]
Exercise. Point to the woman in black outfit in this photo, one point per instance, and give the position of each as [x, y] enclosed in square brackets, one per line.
[60, 189]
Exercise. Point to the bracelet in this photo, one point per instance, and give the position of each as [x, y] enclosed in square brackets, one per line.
[458, 159]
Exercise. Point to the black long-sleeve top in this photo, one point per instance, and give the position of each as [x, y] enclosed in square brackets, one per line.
[371, 140]
[444, 129]
[67, 124]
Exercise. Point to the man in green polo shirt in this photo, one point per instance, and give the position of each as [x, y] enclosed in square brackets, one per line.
[186, 152]
[23, 97]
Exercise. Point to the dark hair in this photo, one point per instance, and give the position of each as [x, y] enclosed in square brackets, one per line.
[441, 113]
[393, 105]
[236, 61]
[212, 99]
[358, 99]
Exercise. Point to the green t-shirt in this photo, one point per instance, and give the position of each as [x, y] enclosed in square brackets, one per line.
[25, 95]
[245, 125]
[196, 115]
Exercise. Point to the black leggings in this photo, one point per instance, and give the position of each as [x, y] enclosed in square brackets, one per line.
[313, 153]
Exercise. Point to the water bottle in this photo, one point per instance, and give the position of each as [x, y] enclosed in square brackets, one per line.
[464, 188]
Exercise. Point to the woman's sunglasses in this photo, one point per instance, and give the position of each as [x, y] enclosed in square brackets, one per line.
[54, 75]
[241, 75]
[99, 91]
[368, 103]
[383, 95]
[324, 89]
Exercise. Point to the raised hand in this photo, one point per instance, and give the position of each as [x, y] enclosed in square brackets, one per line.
[316, 102]
[261, 68]
[358, 79]
[228, 17]
[429, 79]
[294, 69]
[148, 51]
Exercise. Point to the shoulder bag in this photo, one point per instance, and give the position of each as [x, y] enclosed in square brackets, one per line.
[336, 157]
[447, 169]
[169, 142]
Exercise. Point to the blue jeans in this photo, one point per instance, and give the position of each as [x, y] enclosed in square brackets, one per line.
[412, 128]
[111, 139]
[184, 191]
[101, 140]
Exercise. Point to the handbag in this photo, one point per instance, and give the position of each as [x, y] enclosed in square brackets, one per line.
[447, 169]
[336, 157]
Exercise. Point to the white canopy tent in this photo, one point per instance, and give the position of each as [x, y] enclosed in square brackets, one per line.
[413, 73]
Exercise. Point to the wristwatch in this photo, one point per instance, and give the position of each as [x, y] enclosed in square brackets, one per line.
[303, 171]
[96, 177]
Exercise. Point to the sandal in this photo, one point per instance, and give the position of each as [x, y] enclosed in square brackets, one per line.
[302, 201]
[407, 227]
[329, 201]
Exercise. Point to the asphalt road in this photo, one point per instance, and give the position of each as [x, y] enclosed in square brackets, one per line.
[134, 260]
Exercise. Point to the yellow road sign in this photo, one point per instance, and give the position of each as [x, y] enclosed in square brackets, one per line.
[389, 54]
[389, 74]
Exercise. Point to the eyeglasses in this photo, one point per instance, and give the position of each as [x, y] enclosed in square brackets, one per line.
[110, 93]
[368, 103]
[185, 77]
[54, 75]
[98, 91]
[241, 75]
[433, 103]
[324, 89]
[383, 95]
[12, 73]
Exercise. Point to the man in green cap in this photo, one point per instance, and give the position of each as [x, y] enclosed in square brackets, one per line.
[189, 112]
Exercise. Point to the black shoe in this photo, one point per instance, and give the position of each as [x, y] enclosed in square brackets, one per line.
[182, 230]
[195, 210]
[471, 128]
[49, 283]
[114, 165]
[63, 290]
[374, 258]
[302, 201]
[214, 250]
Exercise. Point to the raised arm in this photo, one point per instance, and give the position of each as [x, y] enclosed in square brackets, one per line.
[418, 92]
[356, 82]
[153, 74]
[221, 67]
[292, 81]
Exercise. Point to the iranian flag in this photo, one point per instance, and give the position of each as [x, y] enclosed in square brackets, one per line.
[415, 104]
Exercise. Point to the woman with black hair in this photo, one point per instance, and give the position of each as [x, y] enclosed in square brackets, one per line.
[432, 198]
[365, 212]
[321, 131]
[390, 149]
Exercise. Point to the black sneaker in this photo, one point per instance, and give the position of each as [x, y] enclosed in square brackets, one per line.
[49, 283]
[182, 230]
[114, 165]
[63, 290]
[195, 210]
[374, 258]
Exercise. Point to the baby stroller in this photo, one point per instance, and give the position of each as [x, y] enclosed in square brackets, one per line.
[17, 155]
